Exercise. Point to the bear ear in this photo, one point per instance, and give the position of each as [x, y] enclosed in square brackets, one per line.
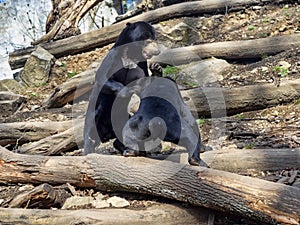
[130, 25]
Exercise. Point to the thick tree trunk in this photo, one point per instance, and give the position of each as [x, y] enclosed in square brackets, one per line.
[261, 200]
[154, 215]
[22, 132]
[107, 35]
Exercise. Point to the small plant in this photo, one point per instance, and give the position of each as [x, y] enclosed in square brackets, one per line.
[266, 20]
[62, 64]
[170, 70]
[43, 83]
[265, 35]
[71, 74]
[251, 27]
[190, 84]
[240, 116]
[249, 146]
[281, 70]
[201, 121]
[35, 95]
[264, 56]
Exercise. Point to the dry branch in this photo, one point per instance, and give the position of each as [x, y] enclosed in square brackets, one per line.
[55, 144]
[261, 200]
[23, 132]
[63, 21]
[154, 215]
[107, 35]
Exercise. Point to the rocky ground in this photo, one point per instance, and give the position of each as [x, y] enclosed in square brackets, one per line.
[276, 127]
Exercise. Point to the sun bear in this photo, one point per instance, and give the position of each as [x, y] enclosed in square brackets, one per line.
[125, 62]
[162, 115]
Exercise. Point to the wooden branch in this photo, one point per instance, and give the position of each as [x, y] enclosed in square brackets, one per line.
[263, 201]
[229, 49]
[160, 214]
[219, 102]
[42, 196]
[107, 35]
[23, 132]
[55, 144]
[71, 89]
[63, 22]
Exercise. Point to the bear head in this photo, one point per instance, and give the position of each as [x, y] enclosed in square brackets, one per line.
[138, 40]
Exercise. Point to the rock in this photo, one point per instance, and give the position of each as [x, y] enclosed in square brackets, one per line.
[256, 7]
[206, 71]
[78, 202]
[10, 103]
[99, 203]
[11, 85]
[284, 64]
[179, 35]
[118, 202]
[37, 68]
[282, 28]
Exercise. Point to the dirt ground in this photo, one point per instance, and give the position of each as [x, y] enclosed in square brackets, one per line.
[276, 127]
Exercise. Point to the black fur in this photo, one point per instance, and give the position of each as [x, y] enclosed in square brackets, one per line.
[162, 115]
[135, 43]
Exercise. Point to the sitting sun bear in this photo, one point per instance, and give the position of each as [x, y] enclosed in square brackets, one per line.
[162, 115]
[125, 63]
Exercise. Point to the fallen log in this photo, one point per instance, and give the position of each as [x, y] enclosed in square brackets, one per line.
[55, 144]
[75, 87]
[23, 132]
[229, 50]
[218, 102]
[107, 35]
[159, 214]
[207, 101]
[257, 199]
[241, 161]
[246, 161]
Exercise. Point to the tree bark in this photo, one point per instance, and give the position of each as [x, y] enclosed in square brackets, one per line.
[246, 161]
[229, 50]
[219, 102]
[55, 144]
[107, 35]
[154, 215]
[241, 161]
[70, 90]
[257, 199]
[62, 21]
[23, 132]
[207, 101]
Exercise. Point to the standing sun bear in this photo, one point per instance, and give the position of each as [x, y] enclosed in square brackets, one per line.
[125, 63]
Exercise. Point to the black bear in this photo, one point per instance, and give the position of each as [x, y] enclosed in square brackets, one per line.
[162, 115]
[125, 62]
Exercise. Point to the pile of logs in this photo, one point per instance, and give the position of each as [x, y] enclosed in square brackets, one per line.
[226, 186]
